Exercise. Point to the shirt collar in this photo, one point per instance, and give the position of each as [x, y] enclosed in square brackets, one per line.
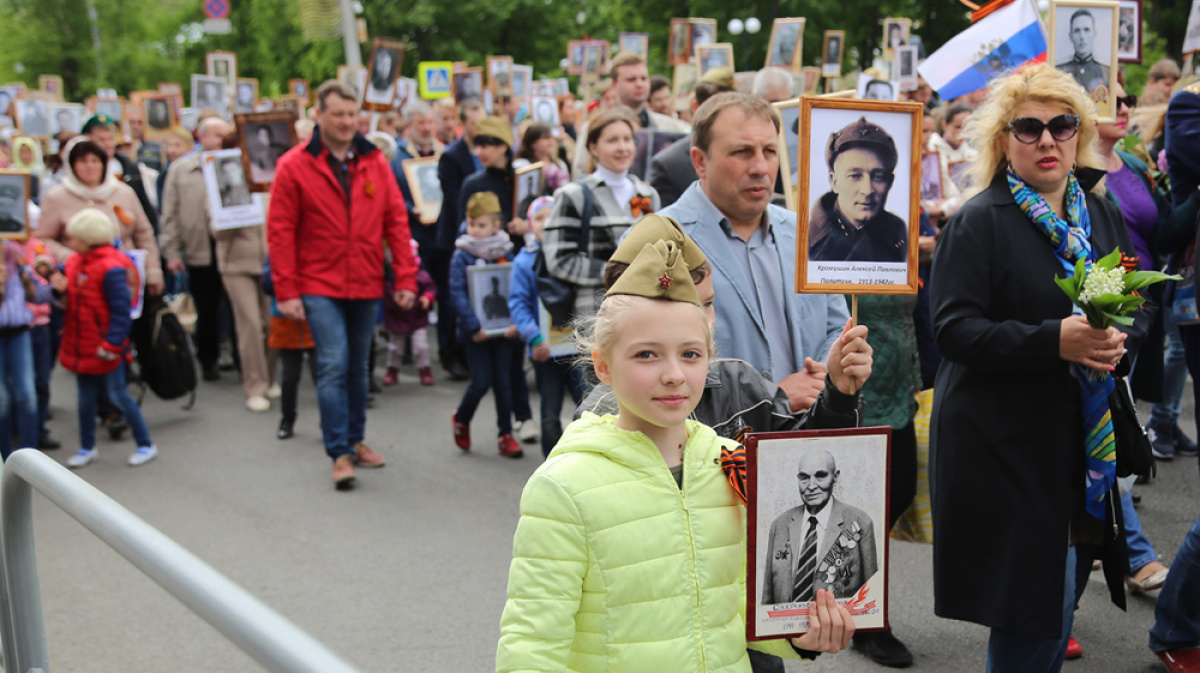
[823, 515]
[610, 178]
[712, 213]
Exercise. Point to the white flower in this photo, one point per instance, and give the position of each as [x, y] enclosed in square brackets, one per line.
[1099, 282]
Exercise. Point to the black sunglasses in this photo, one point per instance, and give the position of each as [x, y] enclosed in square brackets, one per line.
[1130, 101]
[1028, 130]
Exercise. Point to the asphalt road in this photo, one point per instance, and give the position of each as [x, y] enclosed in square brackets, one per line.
[407, 572]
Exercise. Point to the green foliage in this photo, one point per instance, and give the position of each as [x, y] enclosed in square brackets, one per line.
[1108, 309]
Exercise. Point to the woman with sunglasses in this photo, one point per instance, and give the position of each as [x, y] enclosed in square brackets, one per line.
[1020, 505]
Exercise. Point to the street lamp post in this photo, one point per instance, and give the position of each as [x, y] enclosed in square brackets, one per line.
[750, 26]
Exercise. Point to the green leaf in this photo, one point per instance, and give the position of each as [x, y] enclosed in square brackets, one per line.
[1120, 319]
[1140, 279]
[1110, 261]
[1068, 288]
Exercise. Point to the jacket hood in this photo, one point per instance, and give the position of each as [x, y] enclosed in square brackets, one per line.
[600, 434]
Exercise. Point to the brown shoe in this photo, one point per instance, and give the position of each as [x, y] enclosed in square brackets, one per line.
[365, 457]
[343, 471]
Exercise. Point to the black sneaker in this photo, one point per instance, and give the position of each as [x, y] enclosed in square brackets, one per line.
[1162, 440]
[1184, 446]
[46, 443]
[883, 648]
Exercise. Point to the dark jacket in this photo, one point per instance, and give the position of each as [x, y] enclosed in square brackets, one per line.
[1006, 434]
[671, 171]
[132, 176]
[883, 238]
[456, 164]
[498, 181]
[422, 233]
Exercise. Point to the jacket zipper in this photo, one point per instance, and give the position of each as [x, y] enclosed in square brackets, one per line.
[691, 542]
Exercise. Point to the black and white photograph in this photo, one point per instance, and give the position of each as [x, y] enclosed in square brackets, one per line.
[858, 198]
[33, 117]
[679, 50]
[14, 204]
[716, 55]
[958, 171]
[873, 88]
[386, 56]
[222, 64]
[593, 54]
[499, 73]
[560, 86]
[544, 110]
[52, 85]
[1129, 31]
[7, 96]
[931, 176]
[683, 80]
[817, 519]
[355, 77]
[789, 148]
[425, 186]
[189, 118]
[575, 57]
[299, 89]
[468, 83]
[522, 82]
[230, 202]
[906, 67]
[831, 53]
[488, 288]
[264, 138]
[1083, 43]
[210, 93]
[810, 77]
[67, 117]
[895, 35]
[529, 182]
[635, 43]
[113, 108]
[704, 31]
[787, 44]
[246, 99]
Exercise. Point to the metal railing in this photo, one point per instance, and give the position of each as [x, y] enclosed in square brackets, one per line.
[270, 639]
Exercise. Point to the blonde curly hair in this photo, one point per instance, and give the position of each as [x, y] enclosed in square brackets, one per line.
[988, 129]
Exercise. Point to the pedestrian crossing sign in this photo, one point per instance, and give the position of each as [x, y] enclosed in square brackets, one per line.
[434, 78]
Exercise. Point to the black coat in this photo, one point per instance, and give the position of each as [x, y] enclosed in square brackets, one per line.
[454, 166]
[671, 171]
[1006, 434]
[132, 176]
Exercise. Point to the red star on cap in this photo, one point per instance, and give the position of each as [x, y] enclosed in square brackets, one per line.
[664, 282]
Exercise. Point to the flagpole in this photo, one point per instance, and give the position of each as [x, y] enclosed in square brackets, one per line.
[350, 35]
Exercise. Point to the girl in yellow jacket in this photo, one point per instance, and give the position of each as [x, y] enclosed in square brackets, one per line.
[630, 552]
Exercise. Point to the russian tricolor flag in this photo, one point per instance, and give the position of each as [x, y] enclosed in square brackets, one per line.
[995, 44]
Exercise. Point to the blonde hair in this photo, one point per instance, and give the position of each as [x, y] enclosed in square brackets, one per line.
[599, 332]
[988, 129]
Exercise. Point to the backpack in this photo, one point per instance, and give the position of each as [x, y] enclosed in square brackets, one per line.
[164, 355]
[557, 295]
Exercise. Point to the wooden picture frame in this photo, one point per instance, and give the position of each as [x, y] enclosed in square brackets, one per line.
[154, 106]
[300, 89]
[850, 560]
[499, 74]
[15, 186]
[593, 62]
[241, 105]
[634, 43]
[679, 45]
[683, 80]
[114, 108]
[1129, 31]
[713, 56]
[522, 83]
[895, 28]
[787, 44]
[957, 172]
[906, 68]
[52, 85]
[789, 148]
[833, 49]
[66, 117]
[383, 74]
[884, 260]
[468, 83]
[931, 176]
[263, 138]
[424, 186]
[488, 287]
[222, 64]
[704, 32]
[575, 57]
[811, 79]
[1061, 51]
[355, 77]
[528, 180]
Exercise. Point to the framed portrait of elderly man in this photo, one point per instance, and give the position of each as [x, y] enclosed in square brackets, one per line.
[67, 117]
[832, 49]
[858, 196]
[786, 45]
[245, 100]
[230, 201]
[488, 288]
[1129, 31]
[263, 138]
[210, 93]
[425, 187]
[1083, 43]
[468, 83]
[33, 116]
[817, 518]
[158, 111]
[14, 204]
[386, 57]
[222, 64]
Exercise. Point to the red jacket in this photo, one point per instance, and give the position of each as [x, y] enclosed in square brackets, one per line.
[322, 246]
[86, 319]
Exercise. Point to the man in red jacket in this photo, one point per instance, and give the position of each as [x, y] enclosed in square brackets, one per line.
[333, 203]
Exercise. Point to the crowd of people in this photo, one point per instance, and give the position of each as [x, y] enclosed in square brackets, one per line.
[659, 267]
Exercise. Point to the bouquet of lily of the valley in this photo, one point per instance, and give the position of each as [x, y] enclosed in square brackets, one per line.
[1107, 291]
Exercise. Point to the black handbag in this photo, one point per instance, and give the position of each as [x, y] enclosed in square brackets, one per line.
[556, 294]
[1133, 445]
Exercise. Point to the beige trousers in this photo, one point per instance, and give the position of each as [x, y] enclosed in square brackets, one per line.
[252, 319]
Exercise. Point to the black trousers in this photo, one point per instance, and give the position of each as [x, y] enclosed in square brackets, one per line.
[437, 263]
[903, 479]
[204, 282]
[289, 382]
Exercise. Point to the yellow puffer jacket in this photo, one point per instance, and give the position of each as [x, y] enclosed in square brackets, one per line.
[615, 569]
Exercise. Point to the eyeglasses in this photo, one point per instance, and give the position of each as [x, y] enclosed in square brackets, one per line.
[1028, 130]
[1130, 101]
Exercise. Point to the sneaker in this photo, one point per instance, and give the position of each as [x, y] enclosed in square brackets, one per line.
[82, 458]
[509, 448]
[426, 374]
[392, 376]
[1162, 440]
[274, 392]
[47, 443]
[526, 431]
[365, 457]
[1184, 446]
[258, 404]
[343, 471]
[143, 455]
[462, 433]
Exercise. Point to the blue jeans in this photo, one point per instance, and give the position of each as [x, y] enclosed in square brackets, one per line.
[17, 394]
[43, 364]
[1141, 552]
[490, 364]
[1177, 613]
[1174, 378]
[1020, 653]
[342, 331]
[554, 377]
[89, 387]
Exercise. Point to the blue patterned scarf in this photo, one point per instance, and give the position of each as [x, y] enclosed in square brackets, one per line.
[1070, 239]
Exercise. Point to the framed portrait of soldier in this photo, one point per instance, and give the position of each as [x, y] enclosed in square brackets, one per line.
[468, 83]
[355, 77]
[14, 204]
[817, 518]
[786, 45]
[712, 56]
[222, 64]
[386, 57]
[51, 85]
[832, 49]
[189, 118]
[906, 67]
[263, 138]
[679, 50]
[299, 88]
[634, 43]
[895, 35]
[210, 93]
[931, 176]
[158, 111]
[499, 73]
[245, 98]
[858, 196]
[1082, 36]
[529, 182]
[113, 108]
[575, 57]
[522, 82]
[874, 88]
[1129, 31]
[593, 56]
[488, 286]
[425, 186]
[544, 110]
[66, 117]
[33, 116]
[704, 31]
[230, 202]
[789, 147]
